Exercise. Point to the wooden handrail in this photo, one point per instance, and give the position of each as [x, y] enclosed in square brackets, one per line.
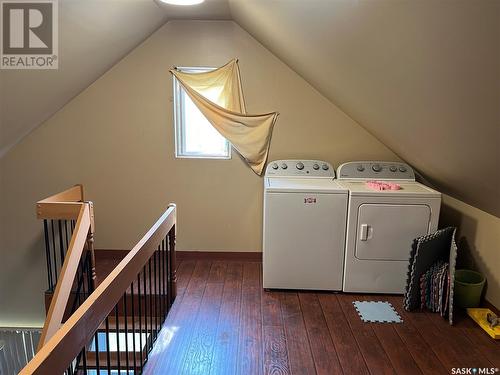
[68, 204]
[63, 205]
[64, 346]
[73, 194]
[69, 268]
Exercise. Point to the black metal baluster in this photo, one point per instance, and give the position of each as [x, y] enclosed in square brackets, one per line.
[155, 293]
[167, 277]
[54, 248]
[160, 313]
[145, 311]
[47, 255]
[169, 272]
[150, 304]
[84, 354]
[97, 363]
[81, 265]
[89, 272]
[85, 276]
[69, 370]
[158, 293]
[133, 326]
[140, 317]
[160, 282]
[164, 278]
[173, 265]
[108, 354]
[66, 233]
[79, 281]
[126, 330]
[61, 246]
[117, 329]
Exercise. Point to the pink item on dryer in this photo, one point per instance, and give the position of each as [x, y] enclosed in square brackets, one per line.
[381, 185]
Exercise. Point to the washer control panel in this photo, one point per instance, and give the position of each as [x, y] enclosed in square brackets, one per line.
[303, 168]
[365, 170]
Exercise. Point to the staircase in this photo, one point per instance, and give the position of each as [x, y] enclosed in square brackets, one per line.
[17, 348]
[104, 308]
[121, 329]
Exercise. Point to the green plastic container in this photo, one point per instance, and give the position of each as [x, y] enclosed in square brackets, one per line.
[468, 288]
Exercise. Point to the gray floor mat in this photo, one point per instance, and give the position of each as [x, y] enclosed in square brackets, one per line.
[376, 312]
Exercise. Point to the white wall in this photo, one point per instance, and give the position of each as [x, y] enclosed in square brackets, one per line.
[478, 239]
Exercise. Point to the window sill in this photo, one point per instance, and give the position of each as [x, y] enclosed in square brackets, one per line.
[208, 157]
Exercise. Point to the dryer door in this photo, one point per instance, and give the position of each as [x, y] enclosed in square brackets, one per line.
[386, 231]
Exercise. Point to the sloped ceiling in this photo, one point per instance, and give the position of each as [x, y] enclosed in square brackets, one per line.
[422, 76]
[93, 36]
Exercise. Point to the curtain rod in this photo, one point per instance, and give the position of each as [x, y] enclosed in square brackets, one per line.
[201, 67]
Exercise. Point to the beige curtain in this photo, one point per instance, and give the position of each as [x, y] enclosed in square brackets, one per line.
[219, 96]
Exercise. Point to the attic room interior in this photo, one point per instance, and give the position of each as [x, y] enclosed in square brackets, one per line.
[249, 187]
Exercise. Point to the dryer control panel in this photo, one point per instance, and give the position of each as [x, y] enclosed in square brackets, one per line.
[380, 170]
[300, 168]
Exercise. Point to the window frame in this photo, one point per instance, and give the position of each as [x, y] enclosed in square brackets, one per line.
[179, 121]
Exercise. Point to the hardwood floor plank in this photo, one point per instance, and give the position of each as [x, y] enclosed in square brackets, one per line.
[375, 357]
[423, 355]
[177, 330]
[222, 322]
[299, 352]
[488, 346]
[198, 356]
[438, 342]
[184, 272]
[322, 348]
[350, 357]
[394, 347]
[273, 333]
[250, 341]
[468, 353]
[225, 354]
[275, 353]
[271, 308]
[217, 272]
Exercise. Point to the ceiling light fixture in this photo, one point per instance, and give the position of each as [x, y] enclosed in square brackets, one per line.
[182, 2]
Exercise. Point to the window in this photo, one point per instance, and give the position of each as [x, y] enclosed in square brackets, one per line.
[195, 137]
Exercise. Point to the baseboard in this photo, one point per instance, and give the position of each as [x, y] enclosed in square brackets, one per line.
[491, 306]
[248, 256]
[220, 255]
[111, 253]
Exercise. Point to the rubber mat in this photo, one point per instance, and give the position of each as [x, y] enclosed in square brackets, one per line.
[376, 312]
[426, 251]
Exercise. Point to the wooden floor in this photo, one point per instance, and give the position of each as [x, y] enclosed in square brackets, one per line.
[223, 322]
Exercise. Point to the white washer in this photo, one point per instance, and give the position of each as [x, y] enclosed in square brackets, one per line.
[381, 225]
[304, 226]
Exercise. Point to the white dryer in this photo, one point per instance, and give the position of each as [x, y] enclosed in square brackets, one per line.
[304, 226]
[381, 224]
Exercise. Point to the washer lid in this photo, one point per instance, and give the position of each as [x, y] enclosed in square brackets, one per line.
[408, 189]
[304, 185]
